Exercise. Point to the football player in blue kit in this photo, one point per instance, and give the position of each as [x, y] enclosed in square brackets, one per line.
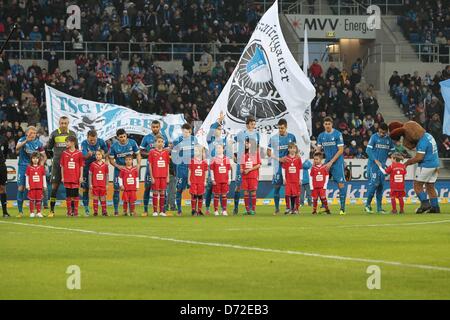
[182, 154]
[379, 148]
[118, 152]
[250, 133]
[277, 150]
[26, 146]
[88, 148]
[147, 144]
[332, 143]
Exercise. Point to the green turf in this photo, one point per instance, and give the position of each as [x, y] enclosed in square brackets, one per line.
[125, 262]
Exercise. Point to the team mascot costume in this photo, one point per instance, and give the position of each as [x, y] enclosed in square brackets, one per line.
[415, 138]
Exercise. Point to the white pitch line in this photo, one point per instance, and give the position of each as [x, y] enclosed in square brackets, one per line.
[340, 226]
[232, 246]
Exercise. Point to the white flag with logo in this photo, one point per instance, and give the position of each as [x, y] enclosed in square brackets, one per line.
[267, 84]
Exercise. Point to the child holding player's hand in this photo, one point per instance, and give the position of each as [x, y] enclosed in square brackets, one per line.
[397, 173]
[319, 181]
[129, 184]
[35, 182]
[292, 166]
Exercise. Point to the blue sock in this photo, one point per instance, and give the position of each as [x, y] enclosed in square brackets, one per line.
[20, 197]
[369, 198]
[342, 197]
[434, 202]
[178, 200]
[237, 197]
[276, 198]
[86, 199]
[379, 198]
[208, 196]
[423, 197]
[146, 197]
[116, 200]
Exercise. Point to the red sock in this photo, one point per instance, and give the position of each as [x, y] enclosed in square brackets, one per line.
[224, 202]
[394, 204]
[125, 207]
[253, 195]
[155, 202]
[200, 203]
[31, 206]
[288, 202]
[132, 207]
[247, 201]
[193, 202]
[69, 206]
[297, 203]
[162, 202]
[95, 205]
[103, 202]
[402, 203]
[314, 204]
[38, 206]
[216, 202]
[324, 202]
[76, 201]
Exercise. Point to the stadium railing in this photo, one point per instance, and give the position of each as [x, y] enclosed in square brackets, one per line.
[342, 7]
[425, 52]
[37, 50]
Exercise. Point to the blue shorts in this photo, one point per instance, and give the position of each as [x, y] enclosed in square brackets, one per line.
[21, 179]
[277, 179]
[182, 176]
[238, 180]
[85, 183]
[375, 177]
[337, 171]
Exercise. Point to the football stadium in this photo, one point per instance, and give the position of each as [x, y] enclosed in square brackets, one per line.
[225, 150]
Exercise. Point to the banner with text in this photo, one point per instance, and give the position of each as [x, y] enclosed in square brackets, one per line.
[105, 118]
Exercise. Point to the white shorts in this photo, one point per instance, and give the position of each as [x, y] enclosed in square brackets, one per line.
[427, 175]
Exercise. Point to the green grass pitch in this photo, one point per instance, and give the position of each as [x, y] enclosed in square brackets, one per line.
[235, 257]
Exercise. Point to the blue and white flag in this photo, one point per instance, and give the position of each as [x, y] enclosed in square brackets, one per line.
[105, 118]
[445, 90]
[267, 84]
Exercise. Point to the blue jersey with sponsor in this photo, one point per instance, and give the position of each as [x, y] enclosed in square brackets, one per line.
[330, 143]
[120, 151]
[86, 147]
[379, 149]
[279, 144]
[428, 147]
[183, 150]
[148, 142]
[28, 149]
[240, 140]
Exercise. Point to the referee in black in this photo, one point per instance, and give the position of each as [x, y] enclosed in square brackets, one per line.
[3, 174]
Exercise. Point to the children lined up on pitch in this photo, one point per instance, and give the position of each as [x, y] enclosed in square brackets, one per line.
[89, 169]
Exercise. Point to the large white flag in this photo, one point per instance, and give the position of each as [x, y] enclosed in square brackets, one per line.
[105, 118]
[308, 112]
[267, 84]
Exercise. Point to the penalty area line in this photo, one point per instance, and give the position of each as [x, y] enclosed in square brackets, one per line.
[238, 247]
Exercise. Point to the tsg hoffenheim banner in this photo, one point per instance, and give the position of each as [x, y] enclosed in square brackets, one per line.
[267, 84]
[105, 118]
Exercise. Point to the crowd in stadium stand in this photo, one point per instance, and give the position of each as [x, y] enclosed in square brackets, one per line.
[427, 22]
